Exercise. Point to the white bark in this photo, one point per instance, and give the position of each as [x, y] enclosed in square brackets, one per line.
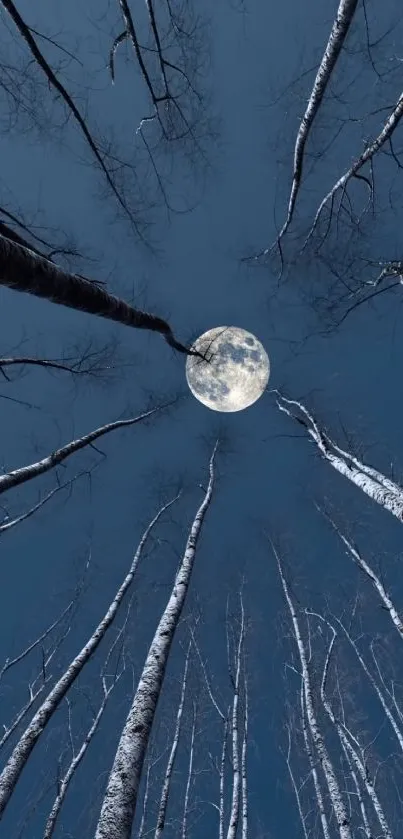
[339, 809]
[378, 585]
[367, 155]
[11, 523]
[189, 775]
[236, 774]
[64, 782]
[17, 760]
[243, 760]
[338, 34]
[171, 760]
[398, 731]
[221, 808]
[26, 473]
[119, 804]
[294, 783]
[349, 748]
[377, 486]
[313, 765]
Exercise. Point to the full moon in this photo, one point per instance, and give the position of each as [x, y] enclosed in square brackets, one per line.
[235, 372]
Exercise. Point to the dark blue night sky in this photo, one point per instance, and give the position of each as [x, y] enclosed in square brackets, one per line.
[191, 271]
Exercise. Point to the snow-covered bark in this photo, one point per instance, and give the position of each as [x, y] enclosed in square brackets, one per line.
[24, 270]
[172, 755]
[26, 473]
[338, 805]
[119, 804]
[21, 752]
[380, 488]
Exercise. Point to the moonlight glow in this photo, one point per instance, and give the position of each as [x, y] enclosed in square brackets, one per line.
[236, 370]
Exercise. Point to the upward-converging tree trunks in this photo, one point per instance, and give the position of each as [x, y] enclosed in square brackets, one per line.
[119, 805]
[316, 734]
[21, 752]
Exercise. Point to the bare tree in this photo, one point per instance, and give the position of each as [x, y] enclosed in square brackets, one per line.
[109, 682]
[26, 473]
[376, 485]
[21, 752]
[337, 37]
[356, 556]
[315, 731]
[162, 810]
[119, 804]
[172, 59]
[351, 748]
[26, 33]
[366, 157]
[24, 270]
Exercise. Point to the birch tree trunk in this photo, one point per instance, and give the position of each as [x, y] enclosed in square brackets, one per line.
[23, 270]
[119, 804]
[172, 755]
[26, 473]
[376, 485]
[349, 749]
[339, 809]
[244, 759]
[21, 752]
[359, 560]
[236, 774]
[337, 37]
[189, 775]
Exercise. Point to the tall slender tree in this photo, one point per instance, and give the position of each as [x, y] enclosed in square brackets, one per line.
[15, 764]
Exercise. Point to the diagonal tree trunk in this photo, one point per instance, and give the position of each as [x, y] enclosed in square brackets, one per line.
[26, 33]
[366, 157]
[351, 751]
[21, 752]
[359, 560]
[338, 805]
[380, 488]
[337, 37]
[23, 270]
[26, 473]
[77, 757]
[119, 804]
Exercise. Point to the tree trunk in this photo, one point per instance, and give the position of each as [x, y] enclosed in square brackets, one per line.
[119, 804]
[23, 270]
